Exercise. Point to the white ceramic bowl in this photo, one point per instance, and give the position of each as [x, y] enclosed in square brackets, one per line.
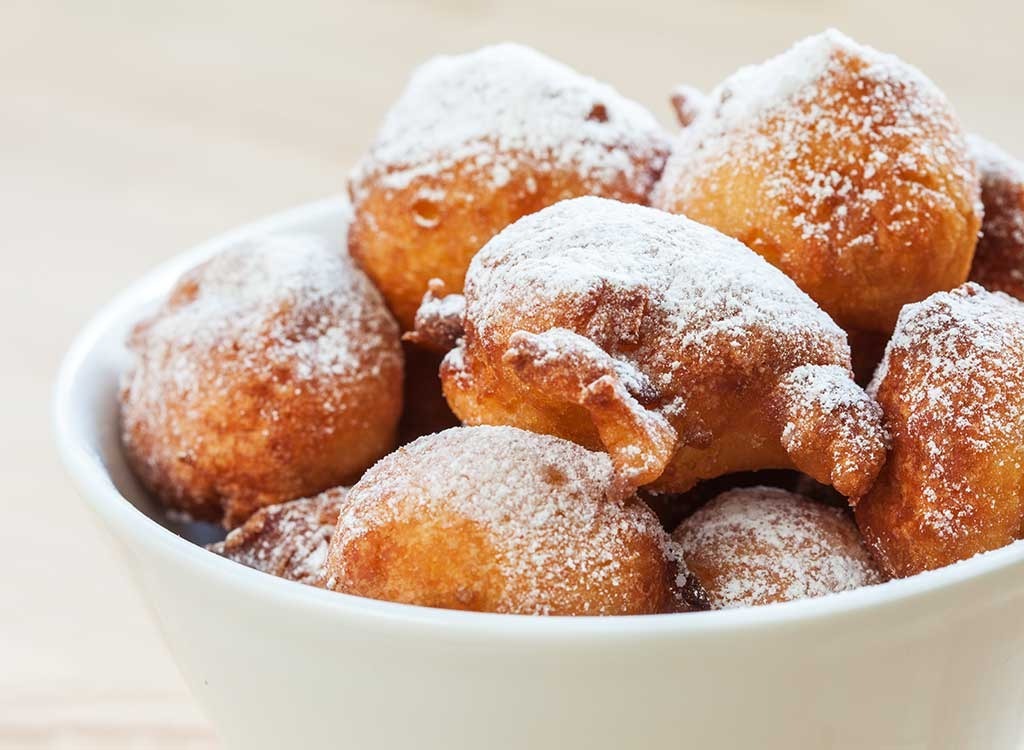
[934, 661]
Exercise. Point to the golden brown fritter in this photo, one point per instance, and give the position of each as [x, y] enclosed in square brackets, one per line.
[475, 142]
[760, 545]
[272, 372]
[495, 519]
[951, 387]
[673, 347]
[288, 540]
[999, 260]
[844, 167]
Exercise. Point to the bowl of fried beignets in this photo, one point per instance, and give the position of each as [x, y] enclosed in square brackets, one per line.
[563, 430]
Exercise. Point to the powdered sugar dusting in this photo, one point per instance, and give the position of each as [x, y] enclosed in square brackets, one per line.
[830, 391]
[438, 322]
[994, 163]
[881, 124]
[289, 540]
[442, 307]
[709, 287]
[552, 346]
[827, 387]
[950, 383]
[759, 545]
[999, 260]
[754, 89]
[285, 302]
[507, 102]
[549, 507]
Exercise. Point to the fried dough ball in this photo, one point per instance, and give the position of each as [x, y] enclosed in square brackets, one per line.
[272, 372]
[475, 142]
[495, 519]
[999, 259]
[662, 341]
[844, 167]
[288, 540]
[760, 545]
[952, 390]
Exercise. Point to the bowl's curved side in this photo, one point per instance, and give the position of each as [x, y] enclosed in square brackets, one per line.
[928, 662]
[275, 668]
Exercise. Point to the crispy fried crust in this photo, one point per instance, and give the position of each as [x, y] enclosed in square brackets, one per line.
[858, 185]
[569, 367]
[501, 520]
[825, 414]
[999, 259]
[609, 367]
[952, 390]
[289, 540]
[475, 142]
[403, 238]
[438, 321]
[760, 545]
[234, 403]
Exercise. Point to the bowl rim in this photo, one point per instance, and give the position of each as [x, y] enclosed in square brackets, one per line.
[93, 481]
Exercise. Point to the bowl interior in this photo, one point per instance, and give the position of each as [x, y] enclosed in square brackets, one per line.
[87, 431]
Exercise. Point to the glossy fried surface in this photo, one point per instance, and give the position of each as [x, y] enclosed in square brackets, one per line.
[760, 545]
[495, 519]
[674, 348]
[272, 372]
[843, 167]
[477, 141]
[288, 540]
[952, 390]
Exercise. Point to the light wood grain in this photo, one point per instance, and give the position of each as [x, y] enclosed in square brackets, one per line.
[129, 131]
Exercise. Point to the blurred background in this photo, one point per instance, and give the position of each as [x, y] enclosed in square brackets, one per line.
[131, 131]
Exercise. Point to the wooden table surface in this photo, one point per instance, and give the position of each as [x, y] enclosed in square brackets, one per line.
[130, 131]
